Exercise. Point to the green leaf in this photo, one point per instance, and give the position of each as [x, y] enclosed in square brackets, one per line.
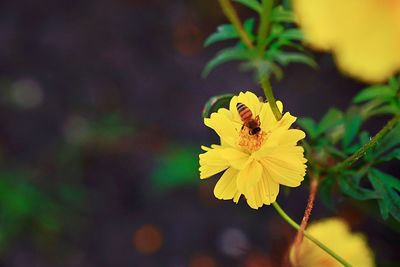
[248, 26]
[280, 14]
[389, 202]
[389, 109]
[349, 185]
[225, 55]
[252, 4]
[386, 178]
[388, 142]
[284, 58]
[215, 103]
[374, 92]
[224, 32]
[394, 83]
[395, 154]
[228, 32]
[330, 120]
[292, 34]
[352, 124]
[309, 125]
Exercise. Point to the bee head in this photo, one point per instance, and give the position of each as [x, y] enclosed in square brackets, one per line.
[255, 131]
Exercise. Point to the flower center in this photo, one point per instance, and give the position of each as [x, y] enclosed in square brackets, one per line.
[251, 142]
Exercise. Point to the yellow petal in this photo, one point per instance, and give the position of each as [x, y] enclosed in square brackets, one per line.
[364, 35]
[237, 197]
[267, 118]
[226, 185]
[236, 158]
[223, 125]
[249, 176]
[286, 137]
[286, 168]
[269, 188]
[253, 197]
[211, 162]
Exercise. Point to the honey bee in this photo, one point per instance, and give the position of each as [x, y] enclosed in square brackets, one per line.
[253, 124]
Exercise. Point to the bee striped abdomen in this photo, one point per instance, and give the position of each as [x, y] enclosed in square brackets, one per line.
[244, 112]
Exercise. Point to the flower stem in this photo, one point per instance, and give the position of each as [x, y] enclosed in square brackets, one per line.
[233, 17]
[266, 86]
[292, 223]
[362, 150]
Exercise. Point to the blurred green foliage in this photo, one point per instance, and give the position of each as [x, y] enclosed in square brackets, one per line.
[339, 134]
[177, 166]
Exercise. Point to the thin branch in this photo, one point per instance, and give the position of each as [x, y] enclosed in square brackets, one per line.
[306, 217]
[233, 17]
[362, 150]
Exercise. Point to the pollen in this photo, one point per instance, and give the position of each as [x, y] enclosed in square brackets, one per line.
[250, 142]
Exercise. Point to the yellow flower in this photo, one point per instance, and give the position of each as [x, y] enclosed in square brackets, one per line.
[254, 165]
[364, 35]
[334, 233]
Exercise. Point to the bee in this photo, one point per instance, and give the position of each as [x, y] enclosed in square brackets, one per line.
[253, 124]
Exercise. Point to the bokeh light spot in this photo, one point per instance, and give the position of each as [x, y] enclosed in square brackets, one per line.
[27, 93]
[233, 242]
[147, 239]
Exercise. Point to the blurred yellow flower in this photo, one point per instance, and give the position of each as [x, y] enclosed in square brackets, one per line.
[254, 164]
[334, 233]
[364, 35]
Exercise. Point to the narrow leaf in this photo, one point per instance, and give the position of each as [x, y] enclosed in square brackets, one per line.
[215, 103]
[225, 55]
[292, 34]
[224, 32]
[383, 202]
[351, 188]
[248, 26]
[309, 125]
[284, 58]
[280, 14]
[330, 120]
[353, 124]
[387, 179]
[252, 4]
[389, 141]
[374, 92]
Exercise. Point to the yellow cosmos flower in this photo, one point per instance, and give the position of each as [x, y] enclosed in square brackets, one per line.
[254, 164]
[334, 233]
[364, 35]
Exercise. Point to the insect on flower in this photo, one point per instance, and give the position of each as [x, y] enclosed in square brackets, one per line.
[257, 153]
[247, 118]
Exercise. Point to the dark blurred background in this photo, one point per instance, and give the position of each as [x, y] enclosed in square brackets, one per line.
[100, 130]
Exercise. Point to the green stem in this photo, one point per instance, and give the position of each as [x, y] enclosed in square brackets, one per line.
[266, 86]
[290, 221]
[362, 150]
[233, 17]
[263, 28]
